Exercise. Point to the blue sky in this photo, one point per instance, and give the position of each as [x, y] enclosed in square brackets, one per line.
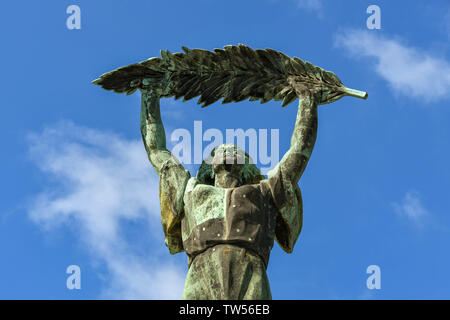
[77, 188]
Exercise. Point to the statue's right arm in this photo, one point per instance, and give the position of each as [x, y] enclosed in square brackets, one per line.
[173, 177]
[152, 130]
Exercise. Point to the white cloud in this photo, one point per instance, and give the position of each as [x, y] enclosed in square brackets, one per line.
[411, 207]
[408, 70]
[310, 5]
[101, 182]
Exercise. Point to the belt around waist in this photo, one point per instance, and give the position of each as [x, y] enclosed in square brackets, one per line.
[227, 248]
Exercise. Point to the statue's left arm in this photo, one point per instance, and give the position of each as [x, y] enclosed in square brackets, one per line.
[303, 138]
[283, 179]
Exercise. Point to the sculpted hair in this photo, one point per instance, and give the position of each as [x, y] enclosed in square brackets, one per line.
[250, 173]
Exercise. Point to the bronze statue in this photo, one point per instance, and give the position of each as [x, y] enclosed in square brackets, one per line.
[227, 217]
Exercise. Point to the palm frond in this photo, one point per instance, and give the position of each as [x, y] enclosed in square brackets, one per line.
[234, 73]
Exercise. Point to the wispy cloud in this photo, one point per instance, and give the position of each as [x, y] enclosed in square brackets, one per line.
[101, 182]
[311, 5]
[410, 71]
[411, 207]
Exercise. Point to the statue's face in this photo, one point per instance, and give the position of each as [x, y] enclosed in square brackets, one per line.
[229, 159]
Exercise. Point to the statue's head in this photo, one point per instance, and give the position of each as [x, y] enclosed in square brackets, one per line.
[228, 166]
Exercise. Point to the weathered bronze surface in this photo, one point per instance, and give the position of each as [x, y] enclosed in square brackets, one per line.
[227, 217]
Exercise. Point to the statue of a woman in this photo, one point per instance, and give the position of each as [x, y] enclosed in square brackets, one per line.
[227, 218]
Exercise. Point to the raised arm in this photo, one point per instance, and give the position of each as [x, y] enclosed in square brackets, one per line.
[303, 138]
[283, 180]
[172, 176]
[152, 130]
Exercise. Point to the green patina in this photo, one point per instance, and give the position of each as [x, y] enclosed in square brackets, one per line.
[227, 218]
[202, 202]
[220, 274]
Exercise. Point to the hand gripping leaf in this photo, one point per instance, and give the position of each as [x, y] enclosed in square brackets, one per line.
[234, 73]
